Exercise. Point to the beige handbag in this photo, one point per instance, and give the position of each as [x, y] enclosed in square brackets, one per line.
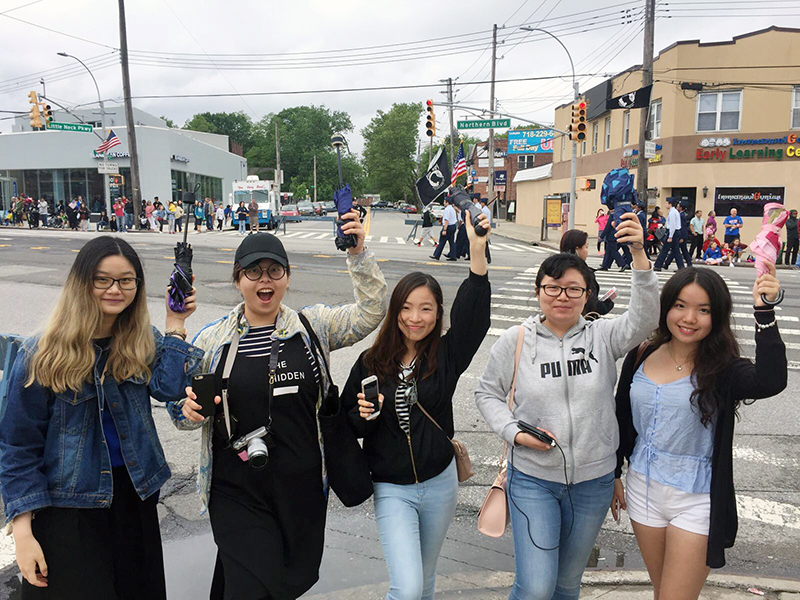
[493, 515]
[463, 462]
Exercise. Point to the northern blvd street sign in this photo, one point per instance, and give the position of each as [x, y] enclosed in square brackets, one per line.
[485, 124]
[70, 127]
[108, 168]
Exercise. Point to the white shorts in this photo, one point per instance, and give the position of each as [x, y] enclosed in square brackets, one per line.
[666, 505]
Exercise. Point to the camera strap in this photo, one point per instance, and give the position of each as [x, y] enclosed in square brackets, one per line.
[233, 349]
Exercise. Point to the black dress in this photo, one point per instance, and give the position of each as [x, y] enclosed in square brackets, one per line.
[269, 524]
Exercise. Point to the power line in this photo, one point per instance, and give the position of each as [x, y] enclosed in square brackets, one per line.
[69, 35]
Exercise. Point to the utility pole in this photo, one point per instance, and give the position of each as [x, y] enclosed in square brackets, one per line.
[647, 79]
[315, 178]
[490, 182]
[452, 126]
[136, 196]
[278, 159]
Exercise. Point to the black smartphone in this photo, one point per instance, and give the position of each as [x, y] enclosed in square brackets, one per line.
[537, 433]
[621, 208]
[205, 388]
[369, 387]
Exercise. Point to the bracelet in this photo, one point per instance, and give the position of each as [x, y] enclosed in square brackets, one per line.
[762, 327]
[176, 332]
[637, 245]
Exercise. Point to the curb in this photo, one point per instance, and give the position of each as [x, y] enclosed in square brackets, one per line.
[765, 584]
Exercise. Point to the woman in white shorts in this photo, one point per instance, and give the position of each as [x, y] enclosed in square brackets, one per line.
[676, 405]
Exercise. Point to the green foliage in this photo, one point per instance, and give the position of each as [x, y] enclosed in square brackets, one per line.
[237, 126]
[390, 146]
[170, 123]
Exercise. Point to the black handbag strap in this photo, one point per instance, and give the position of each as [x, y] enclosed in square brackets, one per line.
[315, 342]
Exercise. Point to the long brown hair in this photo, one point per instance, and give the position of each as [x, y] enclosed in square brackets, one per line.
[717, 349]
[386, 354]
[64, 356]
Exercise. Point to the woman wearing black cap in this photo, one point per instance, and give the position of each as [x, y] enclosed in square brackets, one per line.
[269, 522]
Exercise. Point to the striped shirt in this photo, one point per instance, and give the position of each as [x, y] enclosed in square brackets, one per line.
[401, 404]
[258, 343]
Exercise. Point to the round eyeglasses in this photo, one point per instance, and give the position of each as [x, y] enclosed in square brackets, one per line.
[275, 271]
[125, 283]
[554, 291]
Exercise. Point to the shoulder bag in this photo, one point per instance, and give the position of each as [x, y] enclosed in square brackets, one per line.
[493, 515]
[348, 470]
[463, 463]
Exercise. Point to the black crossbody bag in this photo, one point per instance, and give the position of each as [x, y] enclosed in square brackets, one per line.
[348, 470]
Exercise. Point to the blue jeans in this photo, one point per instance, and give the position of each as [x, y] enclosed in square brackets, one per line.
[412, 523]
[128, 221]
[554, 570]
[242, 226]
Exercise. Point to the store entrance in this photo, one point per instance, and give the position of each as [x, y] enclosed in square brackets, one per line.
[686, 195]
[6, 193]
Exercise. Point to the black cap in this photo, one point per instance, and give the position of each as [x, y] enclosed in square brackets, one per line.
[258, 246]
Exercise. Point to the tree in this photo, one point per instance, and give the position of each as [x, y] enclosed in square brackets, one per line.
[237, 126]
[170, 123]
[390, 145]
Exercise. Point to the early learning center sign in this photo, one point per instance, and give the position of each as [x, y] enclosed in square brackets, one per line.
[727, 149]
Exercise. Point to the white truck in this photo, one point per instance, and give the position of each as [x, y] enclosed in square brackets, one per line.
[264, 192]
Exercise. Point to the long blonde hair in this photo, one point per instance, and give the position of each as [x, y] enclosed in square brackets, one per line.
[64, 357]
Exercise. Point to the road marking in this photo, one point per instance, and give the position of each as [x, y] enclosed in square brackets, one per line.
[512, 307]
[367, 238]
[431, 263]
[5, 245]
[778, 317]
[169, 257]
[323, 236]
[503, 297]
[74, 250]
[508, 247]
[226, 249]
[768, 511]
[753, 455]
[382, 259]
[40, 247]
[400, 240]
[292, 234]
[383, 239]
[225, 262]
[500, 268]
[341, 271]
[508, 289]
[306, 235]
[752, 342]
[322, 255]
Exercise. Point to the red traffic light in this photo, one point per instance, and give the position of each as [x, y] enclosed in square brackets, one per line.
[429, 103]
[582, 105]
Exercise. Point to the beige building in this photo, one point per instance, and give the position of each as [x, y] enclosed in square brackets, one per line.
[725, 117]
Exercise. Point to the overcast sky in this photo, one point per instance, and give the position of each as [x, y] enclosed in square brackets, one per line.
[158, 29]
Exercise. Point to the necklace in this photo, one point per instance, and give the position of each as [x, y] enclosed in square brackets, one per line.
[678, 367]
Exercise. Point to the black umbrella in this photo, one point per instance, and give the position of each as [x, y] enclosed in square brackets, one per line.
[180, 282]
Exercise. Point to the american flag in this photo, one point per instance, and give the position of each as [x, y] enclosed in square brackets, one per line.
[111, 141]
[460, 166]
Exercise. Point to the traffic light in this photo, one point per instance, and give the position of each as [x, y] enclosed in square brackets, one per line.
[430, 124]
[35, 114]
[47, 115]
[577, 128]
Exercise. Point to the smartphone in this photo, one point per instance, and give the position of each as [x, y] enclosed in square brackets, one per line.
[621, 208]
[205, 388]
[369, 387]
[535, 432]
[609, 295]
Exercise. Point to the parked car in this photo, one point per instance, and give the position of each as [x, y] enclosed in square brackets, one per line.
[380, 204]
[407, 208]
[437, 210]
[306, 208]
[290, 210]
[319, 209]
[330, 206]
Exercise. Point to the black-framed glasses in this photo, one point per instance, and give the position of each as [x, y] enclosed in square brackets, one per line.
[275, 271]
[554, 291]
[124, 283]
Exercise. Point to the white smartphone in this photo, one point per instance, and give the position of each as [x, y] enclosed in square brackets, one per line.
[369, 387]
[609, 295]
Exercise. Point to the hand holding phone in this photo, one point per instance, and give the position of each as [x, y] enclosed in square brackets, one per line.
[369, 389]
[621, 208]
[204, 386]
[537, 433]
[609, 295]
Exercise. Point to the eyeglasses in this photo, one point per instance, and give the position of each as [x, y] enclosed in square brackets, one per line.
[275, 271]
[125, 283]
[554, 291]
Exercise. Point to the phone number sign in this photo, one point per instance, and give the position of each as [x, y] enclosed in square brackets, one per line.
[530, 141]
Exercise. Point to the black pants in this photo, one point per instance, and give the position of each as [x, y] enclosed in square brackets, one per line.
[791, 251]
[446, 237]
[697, 246]
[684, 252]
[669, 248]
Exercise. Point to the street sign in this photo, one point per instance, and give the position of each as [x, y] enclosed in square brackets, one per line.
[499, 188]
[108, 168]
[70, 127]
[530, 141]
[485, 124]
[649, 149]
[500, 178]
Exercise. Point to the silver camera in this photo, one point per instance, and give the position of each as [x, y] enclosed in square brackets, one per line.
[253, 442]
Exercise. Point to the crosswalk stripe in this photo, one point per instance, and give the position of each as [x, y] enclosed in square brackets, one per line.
[504, 297]
[306, 235]
[513, 307]
[508, 247]
[324, 236]
[368, 238]
[384, 239]
[400, 240]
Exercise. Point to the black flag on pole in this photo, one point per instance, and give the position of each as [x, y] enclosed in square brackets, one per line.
[638, 99]
[436, 179]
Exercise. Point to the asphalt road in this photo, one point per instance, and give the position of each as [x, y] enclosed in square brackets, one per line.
[33, 265]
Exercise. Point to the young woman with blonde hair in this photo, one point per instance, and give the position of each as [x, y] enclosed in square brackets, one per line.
[78, 434]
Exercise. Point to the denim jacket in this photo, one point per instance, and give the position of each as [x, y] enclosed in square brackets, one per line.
[52, 446]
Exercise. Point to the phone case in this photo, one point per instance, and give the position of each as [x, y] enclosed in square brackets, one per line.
[205, 388]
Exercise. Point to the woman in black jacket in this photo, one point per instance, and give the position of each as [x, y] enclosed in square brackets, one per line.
[677, 402]
[410, 456]
[576, 241]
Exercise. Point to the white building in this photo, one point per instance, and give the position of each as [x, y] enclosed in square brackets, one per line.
[61, 165]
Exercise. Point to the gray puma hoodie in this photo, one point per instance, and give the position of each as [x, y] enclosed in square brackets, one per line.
[566, 386]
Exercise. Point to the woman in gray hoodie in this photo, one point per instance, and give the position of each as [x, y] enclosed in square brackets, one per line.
[559, 494]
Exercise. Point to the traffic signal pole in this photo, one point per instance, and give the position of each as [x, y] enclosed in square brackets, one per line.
[647, 79]
[573, 168]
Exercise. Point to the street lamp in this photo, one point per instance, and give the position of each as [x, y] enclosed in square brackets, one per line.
[103, 123]
[574, 162]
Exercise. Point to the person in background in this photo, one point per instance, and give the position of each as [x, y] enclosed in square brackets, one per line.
[83, 214]
[128, 207]
[447, 236]
[406, 436]
[737, 248]
[711, 225]
[252, 211]
[677, 404]
[149, 209]
[170, 209]
[119, 215]
[600, 219]
[179, 212]
[713, 255]
[102, 223]
[209, 211]
[696, 233]
[733, 223]
[656, 232]
[220, 214]
[44, 210]
[684, 237]
[242, 215]
[576, 241]
[228, 215]
[613, 251]
[161, 215]
[672, 245]
[792, 238]
[199, 216]
[113, 224]
[427, 227]
[462, 240]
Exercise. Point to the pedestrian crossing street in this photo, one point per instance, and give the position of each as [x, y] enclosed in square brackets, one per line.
[514, 300]
[317, 235]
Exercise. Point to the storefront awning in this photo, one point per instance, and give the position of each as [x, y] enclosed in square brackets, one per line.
[535, 174]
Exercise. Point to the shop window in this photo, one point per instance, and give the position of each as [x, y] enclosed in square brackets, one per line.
[525, 161]
[607, 144]
[626, 128]
[654, 123]
[719, 111]
[796, 108]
